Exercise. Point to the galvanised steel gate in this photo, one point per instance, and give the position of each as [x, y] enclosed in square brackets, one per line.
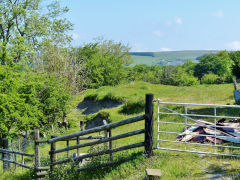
[167, 119]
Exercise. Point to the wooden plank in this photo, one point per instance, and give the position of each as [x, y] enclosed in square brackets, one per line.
[78, 142]
[110, 143]
[39, 174]
[42, 141]
[67, 143]
[5, 154]
[15, 152]
[99, 153]
[132, 133]
[23, 160]
[85, 138]
[14, 156]
[14, 162]
[36, 149]
[81, 125]
[43, 168]
[99, 128]
[53, 157]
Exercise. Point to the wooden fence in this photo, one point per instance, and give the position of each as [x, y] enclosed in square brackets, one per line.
[107, 138]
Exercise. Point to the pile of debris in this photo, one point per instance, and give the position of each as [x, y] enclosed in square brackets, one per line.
[205, 132]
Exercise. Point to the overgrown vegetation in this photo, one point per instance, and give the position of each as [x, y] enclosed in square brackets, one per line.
[211, 69]
[41, 73]
[30, 100]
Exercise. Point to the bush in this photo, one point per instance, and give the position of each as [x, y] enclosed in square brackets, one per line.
[181, 78]
[105, 61]
[133, 107]
[177, 76]
[29, 99]
[210, 79]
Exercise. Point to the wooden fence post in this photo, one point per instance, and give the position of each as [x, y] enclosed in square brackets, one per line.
[82, 125]
[14, 156]
[78, 139]
[108, 133]
[37, 154]
[67, 144]
[110, 144]
[149, 125]
[53, 157]
[6, 165]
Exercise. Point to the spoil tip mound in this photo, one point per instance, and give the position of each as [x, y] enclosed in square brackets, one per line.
[90, 106]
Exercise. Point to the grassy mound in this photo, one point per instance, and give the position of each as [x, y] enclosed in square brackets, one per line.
[175, 165]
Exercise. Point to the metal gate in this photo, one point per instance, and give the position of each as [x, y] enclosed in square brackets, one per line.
[172, 117]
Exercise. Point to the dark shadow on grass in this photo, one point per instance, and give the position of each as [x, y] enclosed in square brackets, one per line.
[220, 172]
[100, 172]
[90, 106]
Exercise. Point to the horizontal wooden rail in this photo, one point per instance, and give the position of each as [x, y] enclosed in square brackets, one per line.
[41, 141]
[97, 129]
[16, 152]
[87, 137]
[106, 164]
[42, 168]
[42, 173]
[19, 164]
[132, 133]
[99, 153]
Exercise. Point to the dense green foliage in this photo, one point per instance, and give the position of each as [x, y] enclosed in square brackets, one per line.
[169, 75]
[29, 100]
[105, 61]
[167, 57]
[221, 65]
[209, 79]
[26, 30]
[211, 69]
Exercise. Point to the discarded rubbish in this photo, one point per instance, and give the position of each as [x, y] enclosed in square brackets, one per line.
[206, 132]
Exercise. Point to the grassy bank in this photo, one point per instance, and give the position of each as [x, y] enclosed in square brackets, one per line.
[173, 164]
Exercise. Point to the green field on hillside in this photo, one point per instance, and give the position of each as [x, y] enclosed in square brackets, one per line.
[175, 165]
[167, 58]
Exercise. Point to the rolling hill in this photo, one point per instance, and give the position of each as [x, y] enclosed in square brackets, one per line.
[168, 57]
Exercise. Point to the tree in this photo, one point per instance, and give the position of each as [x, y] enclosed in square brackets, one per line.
[105, 61]
[29, 99]
[65, 63]
[25, 29]
[235, 56]
[219, 64]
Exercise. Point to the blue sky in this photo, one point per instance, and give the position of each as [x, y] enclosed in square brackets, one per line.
[158, 25]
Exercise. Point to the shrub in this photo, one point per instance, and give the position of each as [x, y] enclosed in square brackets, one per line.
[29, 99]
[176, 75]
[210, 79]
[105, 61]
[133, 107]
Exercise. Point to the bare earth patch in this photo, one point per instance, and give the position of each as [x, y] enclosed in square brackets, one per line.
[91, 107]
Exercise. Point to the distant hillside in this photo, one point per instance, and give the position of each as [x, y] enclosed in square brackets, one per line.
[167, 57]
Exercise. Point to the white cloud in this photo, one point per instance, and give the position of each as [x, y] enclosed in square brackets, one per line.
[75, 36]
[234, 45]
[158, 33]
[218, 14]
[178, 20]
[165, 49]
